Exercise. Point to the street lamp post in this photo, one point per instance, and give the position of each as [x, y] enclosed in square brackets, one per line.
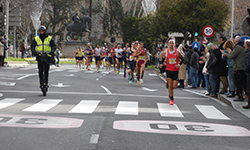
[232, 23]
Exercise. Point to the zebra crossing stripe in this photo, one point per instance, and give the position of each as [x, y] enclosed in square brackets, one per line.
[210, 112]
[43, 105]
[9, 102]
[85, 107]
[167, 110]
[127, 108]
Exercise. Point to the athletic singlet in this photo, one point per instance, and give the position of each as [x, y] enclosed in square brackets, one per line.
[80, 53]
[130, 55]
[172, 60]
[118, 53]
[142, 55]
[88, 52]
[109, 53]
[98, 51]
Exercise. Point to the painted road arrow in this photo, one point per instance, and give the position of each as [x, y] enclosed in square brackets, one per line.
[147, 89]
[60, 85]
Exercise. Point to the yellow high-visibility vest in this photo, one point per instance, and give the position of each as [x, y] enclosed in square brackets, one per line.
[43, 46]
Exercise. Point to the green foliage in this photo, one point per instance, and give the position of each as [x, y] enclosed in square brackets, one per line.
[101, 42]
[58, 14]
[97, 7]
[189, 16]
[113, 17]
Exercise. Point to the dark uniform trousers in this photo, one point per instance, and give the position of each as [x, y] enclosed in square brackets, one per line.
[43, 69]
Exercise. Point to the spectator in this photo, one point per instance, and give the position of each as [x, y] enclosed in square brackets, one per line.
[189, 52]
[182, 71]
[211, 66]
[222, 66]
[194, 67]
[201, 65]
[157, 56]
[57, 54]
[23, 48]
[238, 55]
[229, 45]
[205, 59]
[247, 71]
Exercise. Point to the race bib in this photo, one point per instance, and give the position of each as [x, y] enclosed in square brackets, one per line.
[142, 57]
[131, 58]
[173, 61]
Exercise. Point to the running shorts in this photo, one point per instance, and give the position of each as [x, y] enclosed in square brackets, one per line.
[119, 59]
[140, 62]
[172, 74]
[97, 58]
[131, 65]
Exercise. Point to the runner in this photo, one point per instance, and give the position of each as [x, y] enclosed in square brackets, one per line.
[80, 57]
[131, 62]
[172, 70]
[141, 53]
[98, 52]
[118, 55]
[125, 49]
[103, 57]
[113, 54]
[88, 52]
[109, 57]
[83, 60]
[134, 48]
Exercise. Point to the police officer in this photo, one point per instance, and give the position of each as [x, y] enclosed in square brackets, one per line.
[43, 47]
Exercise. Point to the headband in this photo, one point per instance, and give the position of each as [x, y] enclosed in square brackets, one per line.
[172, 40]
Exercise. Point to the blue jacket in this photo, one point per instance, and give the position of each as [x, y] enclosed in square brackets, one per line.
[230, 62]
[247, 63]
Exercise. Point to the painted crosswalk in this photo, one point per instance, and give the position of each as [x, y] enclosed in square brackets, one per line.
[130, 108]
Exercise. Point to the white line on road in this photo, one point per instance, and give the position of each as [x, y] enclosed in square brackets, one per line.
[85, 107]
[103, 94]
[220, 102]
[9, 102]
[94, 139]
[1, 94]
[43, 105]
[26, 76]
[167, 110]
[150, 90]
[210, 112]
[106, 89]
[127, 108]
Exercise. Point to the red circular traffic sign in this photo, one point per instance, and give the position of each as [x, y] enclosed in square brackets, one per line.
[204, 42]
[208, 31]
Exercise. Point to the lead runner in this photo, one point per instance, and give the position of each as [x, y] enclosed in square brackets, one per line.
[172, 70]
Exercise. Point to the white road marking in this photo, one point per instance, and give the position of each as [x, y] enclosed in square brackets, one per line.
[103, 94]
[60, 85]
[167, 110]
[1, 94]
[210, 112]
[85, 107]
[89, 71]
[70, 75]
[94, 139]
[150, 90]
[25, 68]
[9, 102]
[106, 89]
[127, 108]
[97, 79]
[43, 105]
[26, 76]
[73, 71]
[7, 83]
[152, 74]
[197, 93]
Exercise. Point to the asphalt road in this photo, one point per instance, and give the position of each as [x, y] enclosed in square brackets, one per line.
[86, 110]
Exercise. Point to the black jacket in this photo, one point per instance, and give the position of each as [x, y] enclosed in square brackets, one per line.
[194, 62]
[211, 62]
[247, 63]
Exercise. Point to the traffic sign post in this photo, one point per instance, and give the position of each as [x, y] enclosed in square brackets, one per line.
[196, 44]
[204, 42]
[208, 31]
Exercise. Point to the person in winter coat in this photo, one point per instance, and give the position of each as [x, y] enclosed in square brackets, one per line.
[212, 63]
[222, 72]
[230, 62]
[239, 56]
[247, 71]
[182, 71]
[194, 67]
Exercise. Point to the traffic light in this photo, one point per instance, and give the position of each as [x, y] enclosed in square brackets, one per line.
[196, 34]
[3, 21]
